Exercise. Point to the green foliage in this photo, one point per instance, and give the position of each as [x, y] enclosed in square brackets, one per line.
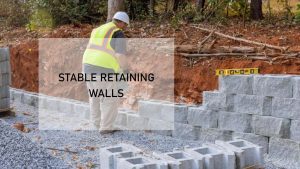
[297, 16]
[66, 11]
[238, 8]
[40, 19]
[13, 12]
[137, 9]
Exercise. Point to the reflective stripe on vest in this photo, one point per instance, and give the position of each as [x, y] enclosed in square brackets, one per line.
[99, 52]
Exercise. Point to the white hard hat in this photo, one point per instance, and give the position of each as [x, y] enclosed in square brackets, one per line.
[122, 16]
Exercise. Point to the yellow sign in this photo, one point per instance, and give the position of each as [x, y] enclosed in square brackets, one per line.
[244, 71]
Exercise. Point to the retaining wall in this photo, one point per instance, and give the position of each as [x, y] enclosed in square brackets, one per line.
[4, 79]
[262, 109]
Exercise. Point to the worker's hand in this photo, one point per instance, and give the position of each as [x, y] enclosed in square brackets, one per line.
[122, 61]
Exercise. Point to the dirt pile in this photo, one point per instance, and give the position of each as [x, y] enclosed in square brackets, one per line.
[190, 81]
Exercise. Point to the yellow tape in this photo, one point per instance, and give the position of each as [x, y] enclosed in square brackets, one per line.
[245, 71]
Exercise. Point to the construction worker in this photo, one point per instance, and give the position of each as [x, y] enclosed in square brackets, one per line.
[105, 54]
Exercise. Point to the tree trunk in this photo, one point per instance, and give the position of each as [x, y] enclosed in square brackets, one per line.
[114, 6]
[200, 5]
[170, 5]
[176, 4]
[256, 10]
[151, 7]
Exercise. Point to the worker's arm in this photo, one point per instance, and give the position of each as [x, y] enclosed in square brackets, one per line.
[120, 48]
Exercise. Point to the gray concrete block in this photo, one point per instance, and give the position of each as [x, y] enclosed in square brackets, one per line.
[286, 108]
[296, 87]
[5, 79]
[4, 103]
[82, 110]
[185, 131]
[262, 141]
[121, 120]
[137, 122]
[65, 106]
[53, 104]
[215, 157]
[43, 102]
[11, 94]
[271, 126]
[237, 84]
[199, 116]
[4, 54]
[183, 160]
[140, 162]
[252, 104]
[150, 109]
[273, 85]
[211, 135]
[4, 67]
[163, 111]
[247, 154]
[4, 92]
[295, 130]
[213, 100]
[284, 153]
[30, 99]
[18, 96]
[110, 155]
[235, 121]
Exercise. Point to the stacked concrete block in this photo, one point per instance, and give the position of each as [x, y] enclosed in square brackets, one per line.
[273, 85]
[121, 120]
[297, 87]
[4, 79]
[162, 110]
[239, 84]
[110, 155]
[261, 141]
[30, 99]
[211, 135]
[81, 110]
[252, 104]
[183, 160]
[200, 117]
[271, 126]
[137, 122]
[295, 130]
[66, 107]
[247, 154]
[239, 122]
[214, 157]
[284, 153]
[286, 108]
[218, 101]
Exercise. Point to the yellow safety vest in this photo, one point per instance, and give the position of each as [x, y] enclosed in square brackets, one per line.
[99, 52]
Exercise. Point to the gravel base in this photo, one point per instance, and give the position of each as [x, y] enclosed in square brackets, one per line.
[17, 151]
[81, 148]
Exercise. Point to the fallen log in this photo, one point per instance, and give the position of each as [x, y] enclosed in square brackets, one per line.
[220, 49]
[243, 40]
[238, 54]
[239, 49]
